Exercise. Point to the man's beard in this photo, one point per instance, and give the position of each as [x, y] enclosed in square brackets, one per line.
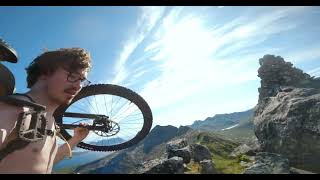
[60, 101]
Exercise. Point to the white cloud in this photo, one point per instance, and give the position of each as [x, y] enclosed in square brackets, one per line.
[311, 53]
[247, 33]
[186, 52]
[194, 59]
[314, 72]
[140, 73]
[149, 17]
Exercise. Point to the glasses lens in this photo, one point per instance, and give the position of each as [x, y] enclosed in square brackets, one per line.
[73, 78]
[84, 83]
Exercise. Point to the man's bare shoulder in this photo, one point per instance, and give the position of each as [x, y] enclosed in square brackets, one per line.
[8, 114]
[6, 108]
[8, 117]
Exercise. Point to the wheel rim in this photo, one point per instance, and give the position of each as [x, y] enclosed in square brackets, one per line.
[130, 118]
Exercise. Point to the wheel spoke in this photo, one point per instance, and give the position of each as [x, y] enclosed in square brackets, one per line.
[126, 120]
[115, 105]
[91, 105]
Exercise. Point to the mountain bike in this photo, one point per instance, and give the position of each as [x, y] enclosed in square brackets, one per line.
[116, 116]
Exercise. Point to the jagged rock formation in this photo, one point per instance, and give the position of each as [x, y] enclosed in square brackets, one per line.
[243, 149]
[179, 148]
[287, 117]
[275, 72]
[176, 144]
[200, 152]
[173, 165]
[269, 163]
[179, 154]
[249, 148]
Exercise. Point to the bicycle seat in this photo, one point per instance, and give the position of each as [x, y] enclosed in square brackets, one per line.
[7, 80]
[7, 53]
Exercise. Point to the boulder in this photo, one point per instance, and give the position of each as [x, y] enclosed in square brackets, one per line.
[179, 148]
[207, 167]
[294, 170]
[173, 165]
[176, 144]
[200, 152]
[184, 153]
[269, 163]
[242, 149]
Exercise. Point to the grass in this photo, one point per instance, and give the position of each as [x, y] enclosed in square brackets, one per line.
[220, 149]
[227, 165]
[194, 167]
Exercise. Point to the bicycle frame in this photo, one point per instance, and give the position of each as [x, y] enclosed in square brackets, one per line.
[97, 118]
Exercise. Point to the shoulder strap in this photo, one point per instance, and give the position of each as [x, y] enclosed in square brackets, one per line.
[25, 95]
[13, 100]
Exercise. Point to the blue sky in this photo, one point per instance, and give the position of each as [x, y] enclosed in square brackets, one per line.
[188, 63]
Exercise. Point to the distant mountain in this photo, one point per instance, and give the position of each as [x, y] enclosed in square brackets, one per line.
[157, 136]
[129, 160]
[82, 156]
[78, 158]
[236, 126]
[224, 121]
[108, 141]
[154, 145]
[153, 148]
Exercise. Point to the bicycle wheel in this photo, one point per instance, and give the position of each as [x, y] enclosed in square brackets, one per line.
[128, 112]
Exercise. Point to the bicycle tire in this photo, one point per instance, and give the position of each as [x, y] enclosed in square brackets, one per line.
[110, 89]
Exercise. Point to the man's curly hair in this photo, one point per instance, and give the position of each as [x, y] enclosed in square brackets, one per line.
[71, 59]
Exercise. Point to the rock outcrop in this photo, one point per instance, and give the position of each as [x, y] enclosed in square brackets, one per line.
[287, 117]
[179, 148]
[173, 165]
[207, 167]
[275, 72]
[181, 153]
[249, 148]
[200, 152]
[269, 163]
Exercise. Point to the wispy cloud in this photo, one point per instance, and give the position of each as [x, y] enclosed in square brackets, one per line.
[187, 60]
[314, 72]
[149, 17]
[193, 57]
[310, 53]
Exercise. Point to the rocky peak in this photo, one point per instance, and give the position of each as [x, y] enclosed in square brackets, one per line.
[286, 119]
[183, 130]
[275, 72]
[158, 135]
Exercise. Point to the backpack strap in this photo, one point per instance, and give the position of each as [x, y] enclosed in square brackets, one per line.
[13, 100]
[25, 95]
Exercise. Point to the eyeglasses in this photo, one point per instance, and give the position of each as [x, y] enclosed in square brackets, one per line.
[74, 77]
